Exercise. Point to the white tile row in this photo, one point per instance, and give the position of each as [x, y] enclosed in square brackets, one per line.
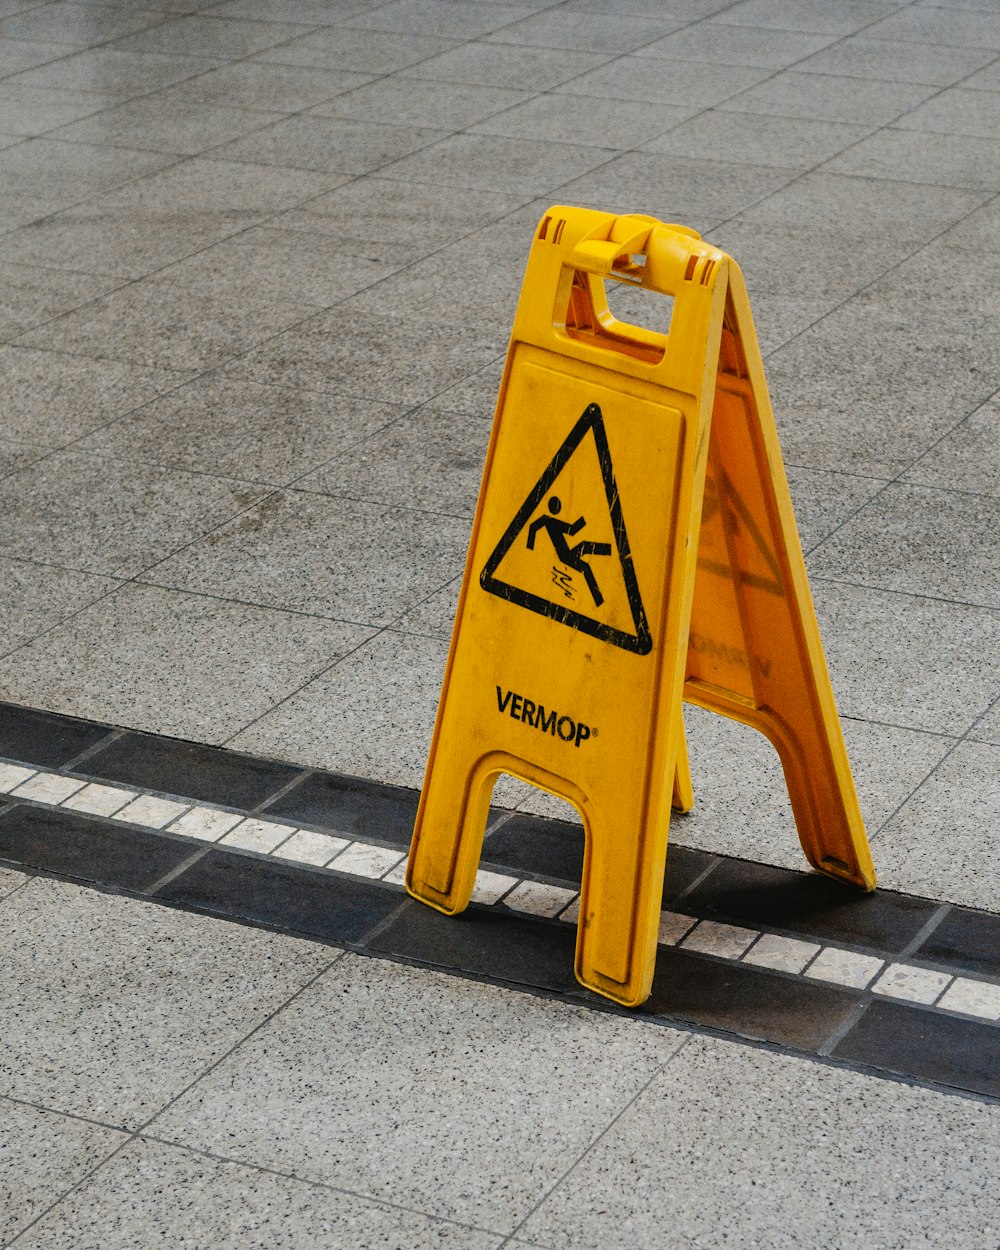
[832, 964]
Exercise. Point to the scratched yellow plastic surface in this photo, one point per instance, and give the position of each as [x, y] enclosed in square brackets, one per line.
[634, 545]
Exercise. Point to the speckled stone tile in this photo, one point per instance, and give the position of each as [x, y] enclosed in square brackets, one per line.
[53, 398]
[213, 37]
[185, 665]
[500, 65]
[113, 72]
[160, 325]
[104, 516]
[915, 156]
[370, 718]
[232, 1207]
[423, 102]
[912, 537]
[454, 18]
[458, 1045]
[429, 460]
[878, 1153]
[716, 44]
[32, 295]
[911, 661]
[92, 1030]
[44, 1155]
[270, 88]
[741, 800]
[68, 24]
[355, 50]
[658, 80]
[278, 555]
[243, 429]
[864, 102]
[940, 836]
[896, 60]
[38, 597]
[749, 138]
[11, 881]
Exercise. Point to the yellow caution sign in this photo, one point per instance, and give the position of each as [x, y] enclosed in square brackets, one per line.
[634, 545]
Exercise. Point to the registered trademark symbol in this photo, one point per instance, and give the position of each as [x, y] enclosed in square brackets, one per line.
[593, 733]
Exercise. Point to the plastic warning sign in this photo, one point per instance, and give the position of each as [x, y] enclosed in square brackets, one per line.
[633, 547]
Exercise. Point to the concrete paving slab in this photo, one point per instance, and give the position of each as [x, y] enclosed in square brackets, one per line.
[746, 1159]
[43, 1156]
[93, 1031]
[187, 1195]
[420, 1121]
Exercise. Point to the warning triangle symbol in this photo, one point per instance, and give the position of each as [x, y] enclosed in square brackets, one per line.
[566, 555]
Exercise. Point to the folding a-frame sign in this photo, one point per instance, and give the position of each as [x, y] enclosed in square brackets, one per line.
[634, 545]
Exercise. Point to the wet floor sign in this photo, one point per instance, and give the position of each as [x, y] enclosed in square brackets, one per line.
[634, 546]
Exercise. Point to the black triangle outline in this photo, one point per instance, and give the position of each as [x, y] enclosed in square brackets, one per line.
[641, 641]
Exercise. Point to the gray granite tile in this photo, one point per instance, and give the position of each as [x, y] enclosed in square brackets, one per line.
[329, 557]
[869, 419]
[242, 429]
[988, 78]
[57, 174]
[987, 729]
[76, 23]
[432, 459]
[351, 351]
[160, 325]
[833, 17]
[38, 597]
[20, 55]
[455, 19]
[52, 398]
[458, 1045]
[371, 716]
[905, 214]
[476, 394]
[916, 662]
[979, 229]
[447, 106]
[341, 145]
[716, 44]
[557, 119]
[781, 318]
[435, 616]
[467, 284]
[936, 25]
[753, 139]
[715, 1166]
[92, 1030]
[919, 540]
[15, 455]
[698, 193]
[187, 1196]
[825, 500]
[44, 1156]
[10, 881]
[386, 217]
[861, 57]
[956, 112]
[34, 110]
[213, 37]
[309, 12]
[864, 102]
[165, 125]
[966, 458]
[170, 663]
[503, 65]
[741, 800]
[104, 516]
[271, 88]
[941, 834]
[112, 72]
[30, 295]
[585, 32]
[488, 162]
[661, 81]
[356, 51]
[916, 156]
[281, 265]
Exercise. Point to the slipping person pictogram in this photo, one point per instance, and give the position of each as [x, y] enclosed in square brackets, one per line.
[573, 557]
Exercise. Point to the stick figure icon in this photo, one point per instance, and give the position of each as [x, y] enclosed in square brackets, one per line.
[573, 557]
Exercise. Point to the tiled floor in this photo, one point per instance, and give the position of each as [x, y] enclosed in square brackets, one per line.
[259, 261]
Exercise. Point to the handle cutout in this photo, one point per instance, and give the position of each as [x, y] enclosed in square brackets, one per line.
[604, 313]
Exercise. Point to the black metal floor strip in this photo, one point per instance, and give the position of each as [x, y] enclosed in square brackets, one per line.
[809, 1016]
